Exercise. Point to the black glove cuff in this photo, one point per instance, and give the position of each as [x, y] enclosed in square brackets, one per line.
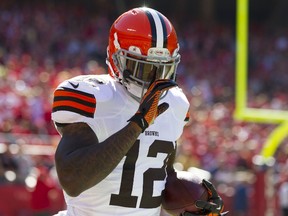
[139, 120]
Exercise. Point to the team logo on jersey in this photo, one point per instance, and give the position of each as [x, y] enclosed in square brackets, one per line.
[75, 86]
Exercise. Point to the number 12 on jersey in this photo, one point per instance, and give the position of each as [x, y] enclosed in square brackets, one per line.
[125, 198]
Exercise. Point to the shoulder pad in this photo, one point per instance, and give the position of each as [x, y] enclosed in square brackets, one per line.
[75, 99]
[180, 104]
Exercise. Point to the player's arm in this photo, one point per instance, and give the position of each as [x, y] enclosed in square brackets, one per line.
[81, 161]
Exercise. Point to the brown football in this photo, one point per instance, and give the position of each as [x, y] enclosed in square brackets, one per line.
[181, 192]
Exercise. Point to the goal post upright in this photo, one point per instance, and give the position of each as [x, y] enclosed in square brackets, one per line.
[242, 111]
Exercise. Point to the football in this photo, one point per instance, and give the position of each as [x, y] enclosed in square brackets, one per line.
[181, 192]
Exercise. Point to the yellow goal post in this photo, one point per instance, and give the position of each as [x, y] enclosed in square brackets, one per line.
[242, 112]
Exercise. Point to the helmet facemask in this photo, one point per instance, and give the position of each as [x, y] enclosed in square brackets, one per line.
[137, 71]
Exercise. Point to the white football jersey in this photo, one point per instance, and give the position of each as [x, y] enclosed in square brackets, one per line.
[134, 187]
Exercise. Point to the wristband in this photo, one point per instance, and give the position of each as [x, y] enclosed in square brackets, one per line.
[140, 121]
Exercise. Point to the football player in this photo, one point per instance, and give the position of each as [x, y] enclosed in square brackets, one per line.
[119, 130]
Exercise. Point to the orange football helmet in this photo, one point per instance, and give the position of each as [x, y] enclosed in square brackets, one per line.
[143, 47]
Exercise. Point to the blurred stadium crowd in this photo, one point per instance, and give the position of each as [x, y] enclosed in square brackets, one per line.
[43, 44]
